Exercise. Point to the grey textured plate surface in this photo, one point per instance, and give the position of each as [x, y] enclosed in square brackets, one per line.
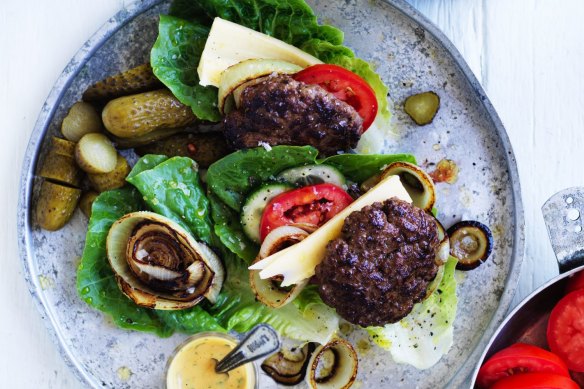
[411, 56]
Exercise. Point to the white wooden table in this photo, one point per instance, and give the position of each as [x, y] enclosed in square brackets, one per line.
[528, 54]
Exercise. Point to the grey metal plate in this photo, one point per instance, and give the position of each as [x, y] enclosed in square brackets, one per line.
[411, 56]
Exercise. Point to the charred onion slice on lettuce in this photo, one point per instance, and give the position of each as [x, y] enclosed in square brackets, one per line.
[161, 266]
[269, 291]
[332, 366]
[417, 182]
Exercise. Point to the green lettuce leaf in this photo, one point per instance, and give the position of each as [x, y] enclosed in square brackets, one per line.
[359, 167]
[426, 334]
[229, 230]
[307, 318]
[172, 188]
[97, 285]
[177, 51]
[235, 175]
[232, 178]
[175, 57]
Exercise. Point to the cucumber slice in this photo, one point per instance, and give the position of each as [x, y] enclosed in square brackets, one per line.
[312, 175]
[254, 205]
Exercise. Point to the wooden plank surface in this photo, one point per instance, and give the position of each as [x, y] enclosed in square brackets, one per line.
[528, 55]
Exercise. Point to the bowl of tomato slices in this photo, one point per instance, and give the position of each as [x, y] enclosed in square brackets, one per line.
[541, 343]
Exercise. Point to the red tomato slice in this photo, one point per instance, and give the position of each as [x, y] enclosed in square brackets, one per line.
[565, 332]
[346, 86]
[536, 381]
[575, 282]
[313, 204]
[519, 358]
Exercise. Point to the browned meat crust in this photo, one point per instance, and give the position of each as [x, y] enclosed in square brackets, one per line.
[282, 111]
[381, 265]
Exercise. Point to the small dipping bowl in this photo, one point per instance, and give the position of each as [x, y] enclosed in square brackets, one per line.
[192, 364]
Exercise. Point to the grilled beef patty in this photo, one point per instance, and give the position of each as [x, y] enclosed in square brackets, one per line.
[381, 265]
[282, 111]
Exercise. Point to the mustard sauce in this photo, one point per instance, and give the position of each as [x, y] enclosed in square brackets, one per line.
[193, 366]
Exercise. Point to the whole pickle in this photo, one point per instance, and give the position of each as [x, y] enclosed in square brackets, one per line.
[137, 115]
[205, 148]
[135, 80]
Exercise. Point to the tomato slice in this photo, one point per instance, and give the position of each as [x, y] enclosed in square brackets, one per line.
[314, 204]
[565, 332]
[575, 282]
[519, 358]
[346, 86]
[536, 381]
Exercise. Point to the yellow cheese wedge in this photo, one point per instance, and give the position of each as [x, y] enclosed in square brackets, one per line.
[298, 262]
[230, 43]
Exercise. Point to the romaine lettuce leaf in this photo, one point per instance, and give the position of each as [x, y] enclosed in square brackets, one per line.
[426, 334]
[236, 309]
[233, 176]
[174, 59]
[307, 318]
[97, 286]
[359, 167]
[230, 179]
[172, 188]
[177, 51]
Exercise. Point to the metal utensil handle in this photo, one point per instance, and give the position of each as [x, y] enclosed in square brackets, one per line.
[564, 218]
[261, 341]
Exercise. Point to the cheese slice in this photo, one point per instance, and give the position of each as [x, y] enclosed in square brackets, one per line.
[298, 262]
[230, 43]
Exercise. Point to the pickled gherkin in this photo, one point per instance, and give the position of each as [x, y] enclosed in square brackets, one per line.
[422, 107]
[137, 115]
[135, 80]
[55, 205]
[59, 164]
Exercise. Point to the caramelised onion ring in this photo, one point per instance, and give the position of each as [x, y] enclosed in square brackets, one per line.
[268, 291]
[159, 265]
[417, 182]
[288, 366]
[332, 366]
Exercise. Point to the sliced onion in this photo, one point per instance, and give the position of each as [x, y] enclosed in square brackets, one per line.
[288, 366]
[333, 366]
[245, 71]
[471, 242]
[443, 251]
[268, 291]
[417, 182]
[308, 227]
[160, 265]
